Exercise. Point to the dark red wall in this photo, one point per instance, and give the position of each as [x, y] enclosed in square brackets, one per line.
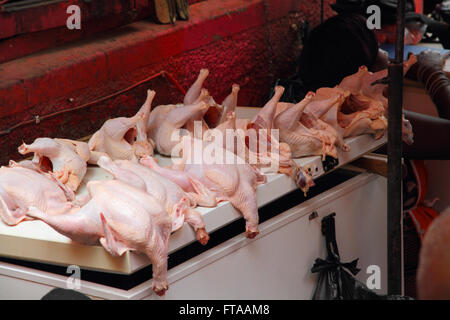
[37, 28]
[249, 42]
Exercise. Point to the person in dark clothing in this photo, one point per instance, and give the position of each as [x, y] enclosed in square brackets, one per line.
[433, 274]
[336, 49]
[339, 46]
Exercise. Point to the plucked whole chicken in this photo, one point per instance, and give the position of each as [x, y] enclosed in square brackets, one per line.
[120, 217]
[304, 140]
[62, 158]
[22, 187]
[124, 138]
[235, 182]
[168, 194]
[370, 85]
[250, 140]
[165, 123]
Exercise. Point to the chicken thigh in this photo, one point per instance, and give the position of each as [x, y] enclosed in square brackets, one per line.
[230, 102]
[120, 217]
[196, 124]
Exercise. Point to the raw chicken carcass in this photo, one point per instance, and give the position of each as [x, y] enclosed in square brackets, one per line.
[216, 113]
[238, 136]
[169, 194]
[367, 83]
[368, 120]
[165, 123]
[79, 147]
[124, 138]
[264, 142]
[324, 100]
[62, 159]
[302, 140]
[275, 158]
[349, 114]
[229, 129]
[21, 188]
[320, 103]
[371, 86]
[120, 217]
[232, 180]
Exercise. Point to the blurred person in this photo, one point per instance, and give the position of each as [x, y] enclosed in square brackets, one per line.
[433, 275]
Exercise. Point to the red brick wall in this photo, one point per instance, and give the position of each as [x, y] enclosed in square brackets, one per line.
[250, 47]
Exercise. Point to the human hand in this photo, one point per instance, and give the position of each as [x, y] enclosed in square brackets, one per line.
[432, 59]
[428, 61]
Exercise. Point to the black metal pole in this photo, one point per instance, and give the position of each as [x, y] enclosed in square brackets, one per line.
[394, 152]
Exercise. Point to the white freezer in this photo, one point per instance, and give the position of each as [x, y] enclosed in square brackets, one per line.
[222, 270]
[274, 265]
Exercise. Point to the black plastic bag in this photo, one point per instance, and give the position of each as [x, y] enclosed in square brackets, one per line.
[336, 279]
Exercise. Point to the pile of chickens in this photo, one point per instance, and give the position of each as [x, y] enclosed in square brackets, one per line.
[144, 202]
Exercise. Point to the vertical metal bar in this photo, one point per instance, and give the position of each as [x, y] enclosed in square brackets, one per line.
[394, 151]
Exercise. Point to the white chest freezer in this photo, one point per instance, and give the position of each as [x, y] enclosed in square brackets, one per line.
[275, 265]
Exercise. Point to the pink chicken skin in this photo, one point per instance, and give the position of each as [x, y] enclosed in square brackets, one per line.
[165, 123]
[59, 157]
[304, 140]
[21, 188]
[167, 193]
[124, 138]
[365, 85]
[215, 114]
[227, 182]
[262, 151]
[120, 217]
